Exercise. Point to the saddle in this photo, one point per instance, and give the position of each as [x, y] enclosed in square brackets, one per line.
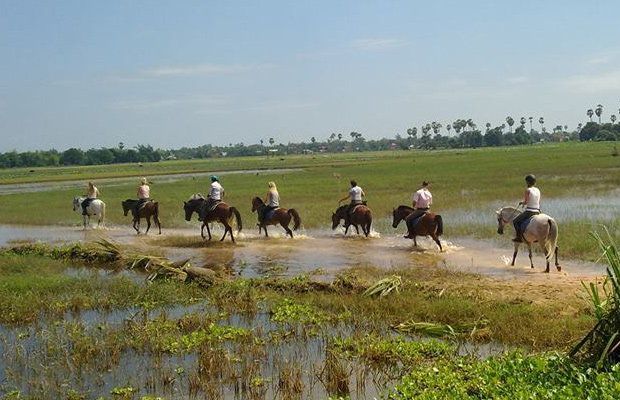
[352, 209]
[143, 204]
[526, 222]
[269, 214]
[415, 221]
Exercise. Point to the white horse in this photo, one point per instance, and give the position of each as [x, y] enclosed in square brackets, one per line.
[542, 229]
[96, 207]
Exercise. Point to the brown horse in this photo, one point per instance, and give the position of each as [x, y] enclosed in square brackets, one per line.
[222, 213]
[150, 209]
[280, 216]
[431, 224]
[361, 216]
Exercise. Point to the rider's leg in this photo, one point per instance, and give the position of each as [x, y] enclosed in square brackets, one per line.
[409, 221]
[517, 224]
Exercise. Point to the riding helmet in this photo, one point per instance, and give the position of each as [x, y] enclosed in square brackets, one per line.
[530, 179]
[213, 178]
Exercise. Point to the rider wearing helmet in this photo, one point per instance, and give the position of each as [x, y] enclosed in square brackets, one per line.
[531, 202]
[91, 194]
[422, 200]
[216, 192]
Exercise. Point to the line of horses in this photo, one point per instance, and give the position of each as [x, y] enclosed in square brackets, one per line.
[541, 229]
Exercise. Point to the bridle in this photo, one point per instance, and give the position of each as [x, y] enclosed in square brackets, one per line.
[501, 219]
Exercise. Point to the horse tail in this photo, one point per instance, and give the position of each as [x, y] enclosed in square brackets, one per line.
[552, 238]
[234, 210]
[103, 213]
[439, 221]
[296, 218]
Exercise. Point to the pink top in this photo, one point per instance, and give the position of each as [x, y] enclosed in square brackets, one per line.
[144, 192]
[423, 198]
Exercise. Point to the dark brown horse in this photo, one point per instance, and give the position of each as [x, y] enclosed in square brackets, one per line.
[150, 209]
[222, 213]
[280, 216]
[361, 216]
[431, 224]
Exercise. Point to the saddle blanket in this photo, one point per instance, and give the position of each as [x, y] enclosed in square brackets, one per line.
[143, 204]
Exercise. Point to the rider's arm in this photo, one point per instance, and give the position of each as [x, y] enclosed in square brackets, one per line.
[267, 197]
[525, 197]
[344, 198]
[363, 194]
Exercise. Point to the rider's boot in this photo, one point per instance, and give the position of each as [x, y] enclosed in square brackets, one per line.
[519, 237]
[409, 234]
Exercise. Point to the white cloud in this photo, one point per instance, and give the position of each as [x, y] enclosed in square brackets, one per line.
[377, 44]
[204, 69]
[601, 82]
[166, 103]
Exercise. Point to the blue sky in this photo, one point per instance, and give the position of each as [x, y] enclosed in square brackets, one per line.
[173, 74]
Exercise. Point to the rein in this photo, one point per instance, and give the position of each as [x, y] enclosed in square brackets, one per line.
[511, 215]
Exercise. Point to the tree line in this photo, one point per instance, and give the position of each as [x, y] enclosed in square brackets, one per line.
[461, 133]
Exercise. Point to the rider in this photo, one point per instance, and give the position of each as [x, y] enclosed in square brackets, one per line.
[422, 200]
[272, 200]
[144, 194]
[531, 202]
[216, 192]
[91, 194]
[355, 194]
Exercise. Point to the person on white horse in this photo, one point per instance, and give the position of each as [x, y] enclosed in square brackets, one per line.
[143, 194]
[531, 201]
[92, 193]
[422, 201]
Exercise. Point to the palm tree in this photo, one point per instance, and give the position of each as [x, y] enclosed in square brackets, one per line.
[271, 141]
[313, 140]
[522, 121]
[470, 123]
[332, 137]
[613, 118]
[436, 126]
[340, 136]
[261, 143]
[449, 127]
[579, 126]
[541, 121]
[590, 113]
[488, 126]
[510, 121]
[599, 111]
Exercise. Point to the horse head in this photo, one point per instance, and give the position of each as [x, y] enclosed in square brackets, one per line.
[126, 207]
[396, 218]
[189, 208]
[505, 215]
[76, 203]
[256, 203]
[335, 220]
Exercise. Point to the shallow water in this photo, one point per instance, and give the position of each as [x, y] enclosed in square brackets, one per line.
[164, 178]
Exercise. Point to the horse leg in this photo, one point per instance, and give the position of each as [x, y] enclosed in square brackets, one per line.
[148, 225]
[208, 231]
[202, 231]
[136, 221]
[357, 229]
[265, 229]
[557, 264]
[415, 242]
[436, 239]
[529, 248]
[84, 221]
[514, 255]
[346, 229]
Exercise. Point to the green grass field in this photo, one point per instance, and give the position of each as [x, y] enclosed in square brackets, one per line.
[469, 181]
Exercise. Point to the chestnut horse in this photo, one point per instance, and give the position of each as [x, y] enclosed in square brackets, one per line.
[361, 215]
[150, 209]
[430, 224]
[280, 216]
[222, 213]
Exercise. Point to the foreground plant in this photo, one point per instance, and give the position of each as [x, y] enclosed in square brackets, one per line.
[602, 344]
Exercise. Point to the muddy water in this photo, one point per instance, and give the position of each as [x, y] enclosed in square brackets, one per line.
[322, 252]
[164, 178]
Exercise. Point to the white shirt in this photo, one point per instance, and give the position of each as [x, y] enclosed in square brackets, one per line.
[423, 198]
[216, 191]
[274, 199]
[355, 193]
[533, 199]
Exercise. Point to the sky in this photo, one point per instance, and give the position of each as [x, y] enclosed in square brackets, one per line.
[173, 74]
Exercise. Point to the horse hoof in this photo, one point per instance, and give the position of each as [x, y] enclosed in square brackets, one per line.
[559, 267]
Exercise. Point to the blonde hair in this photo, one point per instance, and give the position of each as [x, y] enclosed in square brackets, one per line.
[272, 185]
[144, 181]
[90, 184]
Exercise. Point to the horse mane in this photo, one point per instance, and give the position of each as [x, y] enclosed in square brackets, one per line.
[405, 207]
[259, 199]
[197, 196]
